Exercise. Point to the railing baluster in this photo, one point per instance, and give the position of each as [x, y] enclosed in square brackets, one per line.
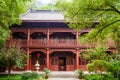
[57, 43]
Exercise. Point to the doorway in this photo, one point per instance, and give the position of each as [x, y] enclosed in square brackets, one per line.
[62, 63]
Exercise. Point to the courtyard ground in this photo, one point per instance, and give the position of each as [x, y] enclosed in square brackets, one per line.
[54, 75]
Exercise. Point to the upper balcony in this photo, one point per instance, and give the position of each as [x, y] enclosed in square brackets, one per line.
[53, 43]
[49, 39]
[37, 43]
[41, 40]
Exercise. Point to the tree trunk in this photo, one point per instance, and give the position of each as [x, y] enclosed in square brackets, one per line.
[9, 72]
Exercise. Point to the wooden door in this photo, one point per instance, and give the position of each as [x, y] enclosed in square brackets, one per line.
[54, 63]
[70, 63]
[62, 63]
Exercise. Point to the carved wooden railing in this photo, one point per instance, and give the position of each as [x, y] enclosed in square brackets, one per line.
[53, 43]
[38, 43]
[63, 43]
[20, 43]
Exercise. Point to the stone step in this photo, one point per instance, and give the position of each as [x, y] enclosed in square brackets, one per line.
[62, 74]
[63, 78]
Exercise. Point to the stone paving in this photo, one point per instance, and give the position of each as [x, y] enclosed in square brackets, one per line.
[63, 78]
[54, 75]
[62, 75]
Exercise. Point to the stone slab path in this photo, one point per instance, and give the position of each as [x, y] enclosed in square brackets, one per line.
[63, 79]
[63, 75]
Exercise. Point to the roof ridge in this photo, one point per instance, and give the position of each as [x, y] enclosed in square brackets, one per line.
[21, 15]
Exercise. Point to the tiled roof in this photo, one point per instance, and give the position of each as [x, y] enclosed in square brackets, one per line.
[39, 15]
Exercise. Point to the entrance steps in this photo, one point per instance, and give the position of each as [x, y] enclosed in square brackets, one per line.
[62, 75]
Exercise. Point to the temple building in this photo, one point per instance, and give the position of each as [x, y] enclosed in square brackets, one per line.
[45, 36]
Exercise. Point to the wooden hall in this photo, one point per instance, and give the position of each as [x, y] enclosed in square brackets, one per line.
[44, 33]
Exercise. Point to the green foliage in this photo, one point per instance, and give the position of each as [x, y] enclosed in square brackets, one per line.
[46, 71]
[30, 76]
[9, 15]
[97, 53]
[99, 66]
[24, 76]
[12, 57]
[98, 77]
[79, 73]
[101, 16]
[2, 57]
[116, 68]
[12, 77]
[87, 11]
[86, 55]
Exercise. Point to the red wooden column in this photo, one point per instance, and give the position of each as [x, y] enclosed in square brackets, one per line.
[28, 37]
[77, 58]
[48, 37]
[28, 51]
[48, 58]
[28, 61]
[47, 55]
[77, 35]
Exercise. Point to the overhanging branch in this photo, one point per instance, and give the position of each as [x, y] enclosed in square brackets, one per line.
[100, 30]
[114, 8]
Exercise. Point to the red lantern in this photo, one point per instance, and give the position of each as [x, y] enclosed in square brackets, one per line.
[38, 55]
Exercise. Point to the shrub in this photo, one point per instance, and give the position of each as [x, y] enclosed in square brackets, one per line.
[79, 73]
[99, 66]
[91, 77]
[41, 77]
[46, 73]
[116, 69]
[107, 77]
[99, 77]
[29, 76]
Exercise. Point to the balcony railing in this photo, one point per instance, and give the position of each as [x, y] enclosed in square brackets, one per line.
[38, 43]
[53, 43]
[62, 43]
[20, 43]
